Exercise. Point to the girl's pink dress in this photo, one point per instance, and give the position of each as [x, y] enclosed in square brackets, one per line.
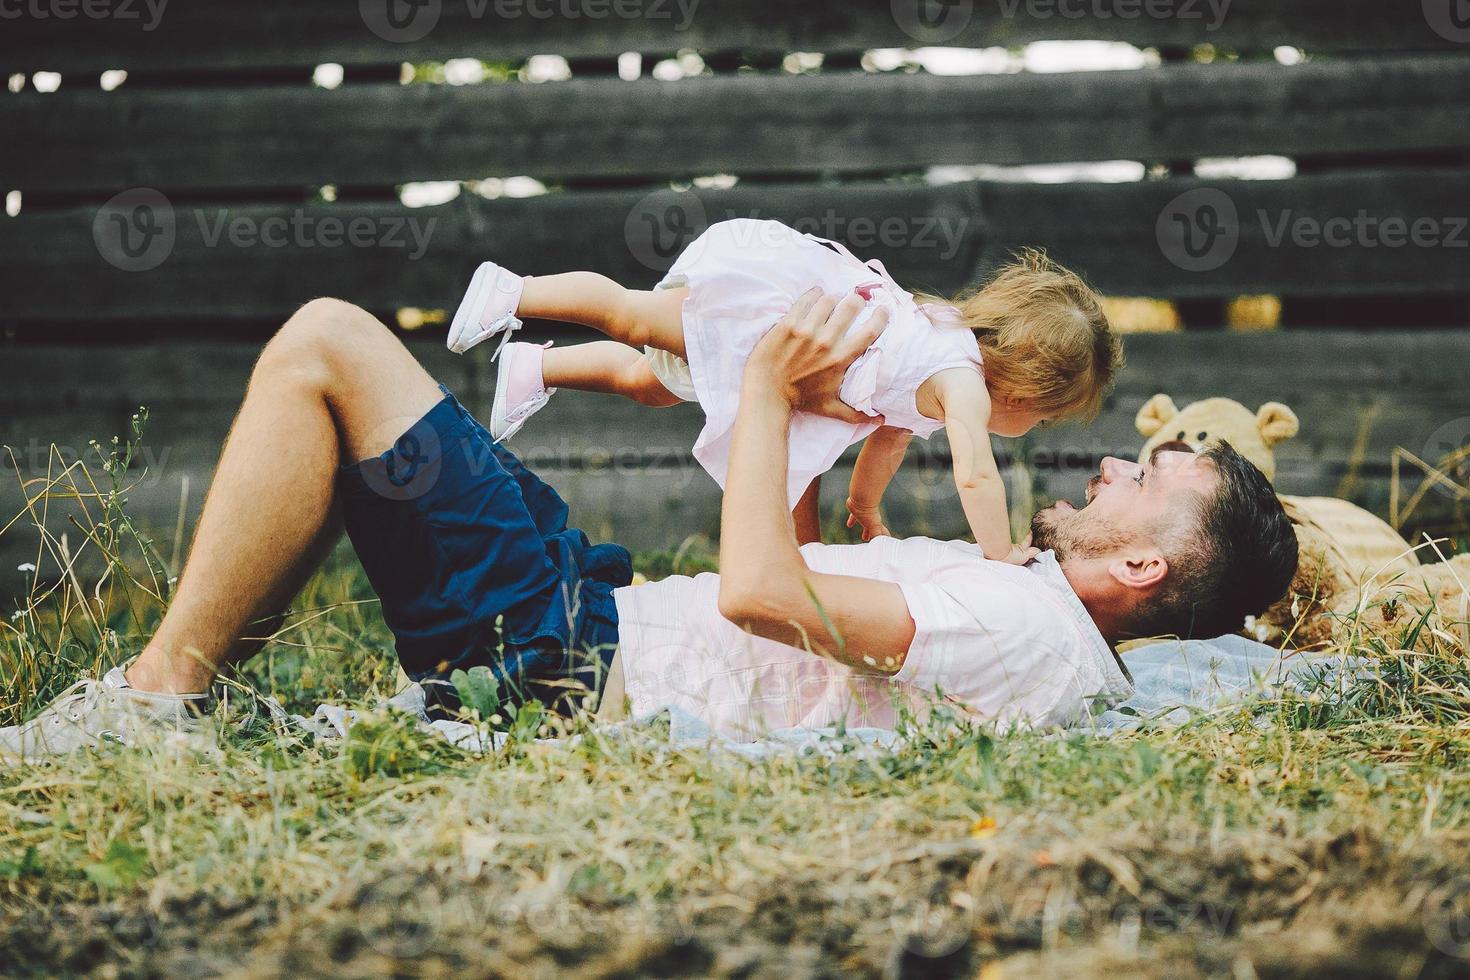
[742, 276]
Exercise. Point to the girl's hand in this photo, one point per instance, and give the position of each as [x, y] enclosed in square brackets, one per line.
[868, 517]
[1021, 553]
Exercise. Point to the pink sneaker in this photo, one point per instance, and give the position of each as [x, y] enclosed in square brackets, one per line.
[488, 308]
[520, 389]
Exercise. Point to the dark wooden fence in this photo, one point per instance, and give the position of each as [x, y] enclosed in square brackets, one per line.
[165, 226]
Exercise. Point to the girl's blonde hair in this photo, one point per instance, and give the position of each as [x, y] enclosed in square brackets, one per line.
[1043, 336]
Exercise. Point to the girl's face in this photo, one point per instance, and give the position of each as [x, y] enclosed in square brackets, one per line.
[1011, 418]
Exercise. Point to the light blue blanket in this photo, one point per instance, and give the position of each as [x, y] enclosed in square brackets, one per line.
[1173, 681]
[1175, 678]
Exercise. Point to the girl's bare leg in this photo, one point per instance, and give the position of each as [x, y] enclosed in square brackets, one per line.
[617, 369]
[608, 367]
[638, 318]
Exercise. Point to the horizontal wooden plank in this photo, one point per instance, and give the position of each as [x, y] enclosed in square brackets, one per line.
[648, 509]
[1320, 235]
[1326, 234]
[195, 34]
[187, 139]
[223, 261]
[644, 510]
[626, 470]
[1380, 389]
[651, 509]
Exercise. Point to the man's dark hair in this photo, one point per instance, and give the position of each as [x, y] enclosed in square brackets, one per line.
[1233, 559]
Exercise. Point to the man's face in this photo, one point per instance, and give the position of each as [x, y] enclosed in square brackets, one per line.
[1127, 504]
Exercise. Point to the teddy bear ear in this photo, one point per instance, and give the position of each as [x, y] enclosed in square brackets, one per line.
[1154, 414]
[1276, 422]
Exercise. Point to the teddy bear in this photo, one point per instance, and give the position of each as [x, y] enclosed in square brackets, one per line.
[1357, 579]
[1214, 419]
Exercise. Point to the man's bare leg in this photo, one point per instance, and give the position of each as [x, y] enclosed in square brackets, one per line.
[334, 384]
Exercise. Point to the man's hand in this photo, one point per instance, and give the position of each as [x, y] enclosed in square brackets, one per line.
[803, 357]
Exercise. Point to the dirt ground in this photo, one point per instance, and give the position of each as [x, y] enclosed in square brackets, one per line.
[1239, 906]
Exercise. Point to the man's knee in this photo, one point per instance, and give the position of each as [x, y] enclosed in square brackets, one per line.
[312, 341]
[331, 323]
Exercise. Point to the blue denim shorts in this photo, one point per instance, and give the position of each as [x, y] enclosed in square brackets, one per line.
[472, 558]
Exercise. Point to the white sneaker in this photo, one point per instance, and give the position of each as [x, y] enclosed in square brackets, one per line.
[488, 308]
[92, 712]
[520, 389]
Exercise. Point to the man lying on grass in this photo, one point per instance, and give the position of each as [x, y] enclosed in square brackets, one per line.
[475, 565]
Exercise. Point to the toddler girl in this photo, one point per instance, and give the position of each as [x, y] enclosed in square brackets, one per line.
[1032, 345]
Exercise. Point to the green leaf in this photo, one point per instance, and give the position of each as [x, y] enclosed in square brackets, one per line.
[120, 867]
[478, 690]
[1148, 758]
[526, 720]
[831, 627]
[27, 865]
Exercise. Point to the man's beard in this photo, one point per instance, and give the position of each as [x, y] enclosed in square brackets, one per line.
[1076, 533]
[1044, 533]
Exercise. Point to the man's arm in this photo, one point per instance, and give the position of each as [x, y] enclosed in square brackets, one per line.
[765, 585]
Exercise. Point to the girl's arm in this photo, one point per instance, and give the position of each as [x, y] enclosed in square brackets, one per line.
[965, 405]
[881, 456]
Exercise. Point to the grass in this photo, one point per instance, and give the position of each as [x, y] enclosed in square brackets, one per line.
[1326, 831]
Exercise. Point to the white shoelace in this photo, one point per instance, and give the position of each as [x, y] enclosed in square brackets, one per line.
[70, 702]
[512, 323]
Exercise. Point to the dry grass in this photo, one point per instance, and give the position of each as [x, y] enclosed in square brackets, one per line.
[1317, 832]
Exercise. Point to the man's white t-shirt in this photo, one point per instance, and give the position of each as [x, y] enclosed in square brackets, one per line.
[1012, 645]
